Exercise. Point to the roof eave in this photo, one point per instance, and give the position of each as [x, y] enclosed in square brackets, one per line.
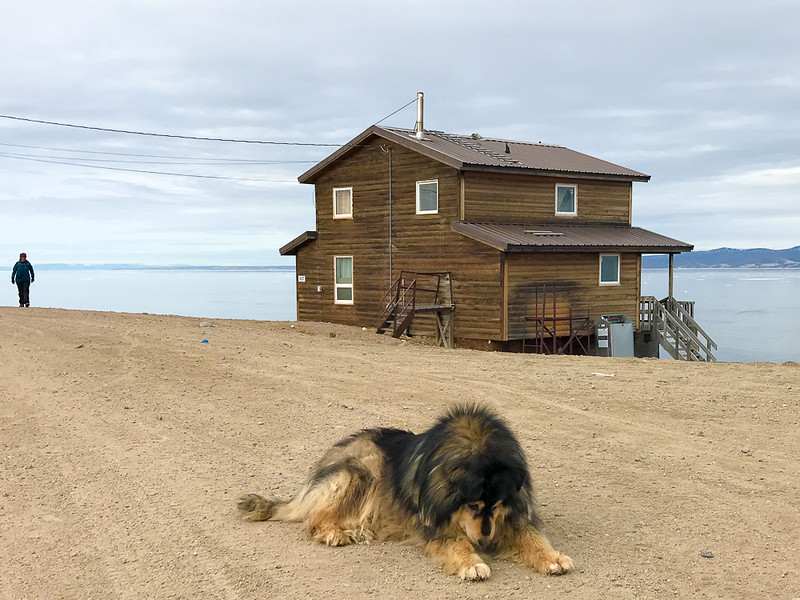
[640, 177]
[496, 243]
[600, 248]
[298, 242]
[408, 142]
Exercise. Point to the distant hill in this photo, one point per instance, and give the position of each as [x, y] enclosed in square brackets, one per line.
[730, 258]
[140, 267]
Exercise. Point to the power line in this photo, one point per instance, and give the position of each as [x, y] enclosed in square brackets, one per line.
[188, 137]
[219, 162]
[231, 161]
[72, 164]
[395, 112]
[165, 135]
[205, 161]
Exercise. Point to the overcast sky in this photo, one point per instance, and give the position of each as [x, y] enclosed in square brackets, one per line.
[702, 96]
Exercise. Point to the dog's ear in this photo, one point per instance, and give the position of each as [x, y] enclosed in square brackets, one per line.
[518, 477]
[508, 481]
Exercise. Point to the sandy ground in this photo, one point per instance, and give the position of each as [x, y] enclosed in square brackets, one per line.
[126, 440]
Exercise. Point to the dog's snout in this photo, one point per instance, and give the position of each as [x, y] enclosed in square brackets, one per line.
[486, 527]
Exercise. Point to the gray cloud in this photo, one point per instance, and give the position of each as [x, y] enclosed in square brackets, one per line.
[702, 96]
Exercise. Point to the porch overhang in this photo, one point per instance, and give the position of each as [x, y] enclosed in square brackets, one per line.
[556, 237]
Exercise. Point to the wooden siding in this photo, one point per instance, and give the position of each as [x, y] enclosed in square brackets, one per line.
[521, 198]
[576, 277]
[423, 243]
[491, 290]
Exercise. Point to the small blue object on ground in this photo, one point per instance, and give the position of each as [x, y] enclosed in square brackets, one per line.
[205, 341]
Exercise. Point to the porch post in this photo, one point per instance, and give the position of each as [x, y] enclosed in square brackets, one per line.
[671, 269]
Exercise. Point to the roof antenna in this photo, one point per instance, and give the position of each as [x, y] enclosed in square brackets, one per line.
[419, 131]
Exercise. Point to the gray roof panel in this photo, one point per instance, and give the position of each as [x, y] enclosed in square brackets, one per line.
[478, 153]
[544, 237]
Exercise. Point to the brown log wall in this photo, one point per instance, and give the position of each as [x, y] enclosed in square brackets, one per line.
[422, 243]
[575, 275]
[521, 198]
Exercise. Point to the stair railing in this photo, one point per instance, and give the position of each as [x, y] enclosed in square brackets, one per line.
[677, 331]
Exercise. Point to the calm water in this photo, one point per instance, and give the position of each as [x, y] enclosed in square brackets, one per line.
[754, 315]
[264, 295]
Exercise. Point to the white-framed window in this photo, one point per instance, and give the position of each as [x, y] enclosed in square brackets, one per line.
[428, 197]
[343, 203]
[343, 279]
[566, 199]
[609, 269]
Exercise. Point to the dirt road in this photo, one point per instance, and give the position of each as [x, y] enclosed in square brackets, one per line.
[126, 439]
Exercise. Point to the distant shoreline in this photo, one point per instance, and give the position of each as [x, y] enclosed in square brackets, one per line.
[729, 258]
[770, 267]
[291, 268]
[139, 267]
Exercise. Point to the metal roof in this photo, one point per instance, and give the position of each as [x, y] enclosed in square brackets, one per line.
[544, 237]
[474, 152]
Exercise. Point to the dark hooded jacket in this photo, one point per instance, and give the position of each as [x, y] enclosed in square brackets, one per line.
[22, 271]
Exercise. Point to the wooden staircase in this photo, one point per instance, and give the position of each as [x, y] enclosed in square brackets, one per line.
[413, 293]
[673, 324]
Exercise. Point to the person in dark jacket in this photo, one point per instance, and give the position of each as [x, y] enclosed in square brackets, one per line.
[22, 275]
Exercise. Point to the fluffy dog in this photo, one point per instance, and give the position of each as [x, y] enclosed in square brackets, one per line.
[460, 487]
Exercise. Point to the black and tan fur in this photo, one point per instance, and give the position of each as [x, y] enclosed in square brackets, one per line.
[462, 486]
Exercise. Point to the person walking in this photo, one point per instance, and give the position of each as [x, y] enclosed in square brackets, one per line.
[22, 275]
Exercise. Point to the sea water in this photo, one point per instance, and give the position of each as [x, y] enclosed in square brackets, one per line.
[753, 315]
[264, 294]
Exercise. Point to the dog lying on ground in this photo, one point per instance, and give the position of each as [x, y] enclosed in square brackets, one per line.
[461, 487]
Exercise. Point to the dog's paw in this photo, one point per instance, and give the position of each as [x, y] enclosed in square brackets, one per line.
[476, 572]
[362, 535]
[332, 536]
[558, 564]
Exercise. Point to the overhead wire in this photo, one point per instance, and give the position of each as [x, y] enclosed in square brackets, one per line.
[395, 112]
[243, 161]
[165, 135]
[192, 175]
[204, 161]
[186, 137]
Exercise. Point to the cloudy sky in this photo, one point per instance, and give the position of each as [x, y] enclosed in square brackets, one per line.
[702, 96]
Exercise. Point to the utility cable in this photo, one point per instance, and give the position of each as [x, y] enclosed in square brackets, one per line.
[395, 112]
[59, 162]
[231, 161]
[164, 135]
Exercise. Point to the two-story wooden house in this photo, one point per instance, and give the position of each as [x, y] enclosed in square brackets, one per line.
[512, 242]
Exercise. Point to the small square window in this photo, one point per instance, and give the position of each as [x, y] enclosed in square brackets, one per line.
[609, 269]
[566, 199]
[428, 197]
[342, 203]
[343, 279]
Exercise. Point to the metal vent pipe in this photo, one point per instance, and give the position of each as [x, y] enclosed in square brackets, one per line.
[419, 130]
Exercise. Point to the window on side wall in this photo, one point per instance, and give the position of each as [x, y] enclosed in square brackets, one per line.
[609, 269]
[343, 203]
[343, 279]
[428, 197]
[566, 200]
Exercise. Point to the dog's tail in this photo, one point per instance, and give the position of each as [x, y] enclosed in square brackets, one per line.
[257, 508]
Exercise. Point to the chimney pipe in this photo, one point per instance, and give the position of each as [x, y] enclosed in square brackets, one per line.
[418, 128]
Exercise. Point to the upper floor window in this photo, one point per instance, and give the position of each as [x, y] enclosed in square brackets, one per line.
[343, 279]
[609, 269]
[566, 199]
[343, 203]
[428, 197]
